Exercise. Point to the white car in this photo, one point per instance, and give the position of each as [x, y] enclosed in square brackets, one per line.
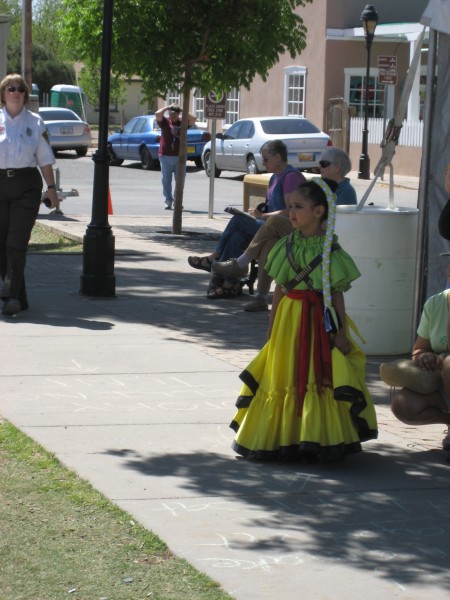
[239, 148]
[66, 131]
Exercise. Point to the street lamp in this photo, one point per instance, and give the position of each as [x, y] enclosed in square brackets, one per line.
[98, 243]
[369, 20]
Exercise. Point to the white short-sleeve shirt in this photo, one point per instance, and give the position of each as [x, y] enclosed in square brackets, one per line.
[22, 141]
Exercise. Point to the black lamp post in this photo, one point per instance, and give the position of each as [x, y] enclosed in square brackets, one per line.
[98, 243]
[369, 20]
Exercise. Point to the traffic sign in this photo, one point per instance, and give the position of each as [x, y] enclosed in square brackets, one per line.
[215, 105]
[387, 70]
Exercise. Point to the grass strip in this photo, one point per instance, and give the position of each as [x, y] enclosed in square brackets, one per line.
[44, 240]
[60, 538]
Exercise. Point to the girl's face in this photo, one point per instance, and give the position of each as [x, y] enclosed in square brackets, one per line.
[304, 215]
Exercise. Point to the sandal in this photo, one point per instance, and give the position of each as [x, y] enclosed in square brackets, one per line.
[200, 262]
[217, 290]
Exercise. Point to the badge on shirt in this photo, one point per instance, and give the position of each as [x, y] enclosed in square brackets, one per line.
[45, 135]
[29, 132]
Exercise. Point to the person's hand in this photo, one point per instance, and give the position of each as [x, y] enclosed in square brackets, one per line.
[428, 361]
[52, 195]
[341, 341]
[254, 212]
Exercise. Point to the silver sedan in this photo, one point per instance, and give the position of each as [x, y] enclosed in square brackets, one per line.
[239, 148]
[66, 131]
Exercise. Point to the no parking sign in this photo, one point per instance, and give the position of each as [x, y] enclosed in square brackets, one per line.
[215, 105]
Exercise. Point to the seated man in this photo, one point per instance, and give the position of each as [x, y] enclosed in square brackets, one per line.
[334, 164]
[240, 229]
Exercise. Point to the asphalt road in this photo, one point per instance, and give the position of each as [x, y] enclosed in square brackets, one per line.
[138, 192]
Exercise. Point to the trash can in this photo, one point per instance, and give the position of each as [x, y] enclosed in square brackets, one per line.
[383, 244]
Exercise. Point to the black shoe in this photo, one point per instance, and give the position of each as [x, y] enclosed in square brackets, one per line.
[11, 307]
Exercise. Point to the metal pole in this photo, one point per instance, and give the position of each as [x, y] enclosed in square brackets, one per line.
[98, 243]
[421, 278]
[212, 169]
[364, 160]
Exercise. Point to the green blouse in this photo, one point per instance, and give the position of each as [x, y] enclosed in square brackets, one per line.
[342, 272]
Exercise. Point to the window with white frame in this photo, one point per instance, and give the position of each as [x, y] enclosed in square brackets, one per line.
[355, 94]
[173, 97]
[232, 106]
[199, 106]
[294, 91]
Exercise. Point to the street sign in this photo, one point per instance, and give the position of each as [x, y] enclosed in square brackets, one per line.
[387, 70]
[215, 106]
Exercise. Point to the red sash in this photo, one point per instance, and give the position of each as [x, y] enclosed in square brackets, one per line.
[312, 302]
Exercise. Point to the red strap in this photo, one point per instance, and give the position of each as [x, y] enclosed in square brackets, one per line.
[312, 302]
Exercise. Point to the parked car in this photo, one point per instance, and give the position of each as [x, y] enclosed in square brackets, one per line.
[66, 131]
[139, 140]
[239, 148]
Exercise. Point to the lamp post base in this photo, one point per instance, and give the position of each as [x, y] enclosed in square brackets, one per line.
[98, 263]
[364, 167]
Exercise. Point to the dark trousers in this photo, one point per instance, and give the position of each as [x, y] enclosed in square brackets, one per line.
[20, 198]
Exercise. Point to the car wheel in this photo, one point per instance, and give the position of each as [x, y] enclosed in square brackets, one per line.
[146, 160]
[81, 151]
[207, 159]
[113, 160]
[252, 169]
[198, 162]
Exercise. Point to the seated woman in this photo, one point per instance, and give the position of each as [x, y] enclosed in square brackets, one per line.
[430, 353]
[241, 229]
[334, 164]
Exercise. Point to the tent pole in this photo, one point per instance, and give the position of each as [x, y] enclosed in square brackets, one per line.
[421, 276]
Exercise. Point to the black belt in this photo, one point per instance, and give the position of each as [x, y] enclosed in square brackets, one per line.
[14, 172]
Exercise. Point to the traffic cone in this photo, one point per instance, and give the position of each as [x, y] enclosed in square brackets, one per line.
[110, 208]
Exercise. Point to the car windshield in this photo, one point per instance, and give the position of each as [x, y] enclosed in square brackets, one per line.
[58, 115]
[288, 126]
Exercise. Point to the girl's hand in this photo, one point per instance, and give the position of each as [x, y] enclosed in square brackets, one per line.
[341, 341]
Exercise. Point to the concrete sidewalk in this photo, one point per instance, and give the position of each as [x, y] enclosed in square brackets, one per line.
[135, 394]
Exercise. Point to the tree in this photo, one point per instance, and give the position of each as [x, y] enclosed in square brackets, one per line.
[203, 44]
[90, 82]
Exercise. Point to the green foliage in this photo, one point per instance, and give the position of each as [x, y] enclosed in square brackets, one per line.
[197, 44]
[89, 80]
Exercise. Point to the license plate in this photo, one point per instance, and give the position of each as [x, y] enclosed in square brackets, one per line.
[191, 149]
[305, 157]
[66, 130]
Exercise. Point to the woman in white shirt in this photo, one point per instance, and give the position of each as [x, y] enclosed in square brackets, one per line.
[23, 148]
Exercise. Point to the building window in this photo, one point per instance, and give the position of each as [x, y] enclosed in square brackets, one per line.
[232, 106]
[357, 97]
[199, 106]
[173, 97]
[295, 87]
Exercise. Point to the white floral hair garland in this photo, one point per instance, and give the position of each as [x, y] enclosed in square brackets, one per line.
[330, 314]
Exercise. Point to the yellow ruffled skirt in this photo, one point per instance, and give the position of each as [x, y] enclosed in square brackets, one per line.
[333, 421]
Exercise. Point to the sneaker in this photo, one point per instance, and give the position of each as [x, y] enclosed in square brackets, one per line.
[228, 268]
[256, 305]
[168, 206]
[446, 440]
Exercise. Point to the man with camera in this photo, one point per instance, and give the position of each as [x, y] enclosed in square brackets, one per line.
[169, 146]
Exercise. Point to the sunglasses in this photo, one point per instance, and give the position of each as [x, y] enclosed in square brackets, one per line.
[325, 163]
[13, 88]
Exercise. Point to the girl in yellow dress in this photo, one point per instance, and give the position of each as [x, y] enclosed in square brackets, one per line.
[304, 395]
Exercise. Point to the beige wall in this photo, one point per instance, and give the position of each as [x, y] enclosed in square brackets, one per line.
[406, 161]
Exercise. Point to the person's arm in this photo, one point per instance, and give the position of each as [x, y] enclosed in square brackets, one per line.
[447, 179]
[191, 119]
[159, 114]
[47, 172]
[340, 339]
[424, 356]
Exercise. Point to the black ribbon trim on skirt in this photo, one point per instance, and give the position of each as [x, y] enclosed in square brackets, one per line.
[347, 393]
[247, 378]
[244, 401]
[309, 452]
